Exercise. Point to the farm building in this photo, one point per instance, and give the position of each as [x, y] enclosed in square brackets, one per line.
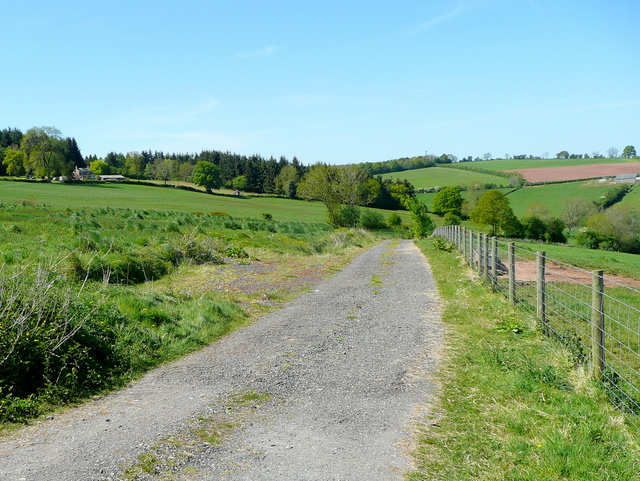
[82, 173]
[626, 178]
[111, 177]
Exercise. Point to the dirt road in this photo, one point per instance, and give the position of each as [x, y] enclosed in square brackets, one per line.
[327, 388]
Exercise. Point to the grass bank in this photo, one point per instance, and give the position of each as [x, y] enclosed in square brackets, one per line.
[512, 405]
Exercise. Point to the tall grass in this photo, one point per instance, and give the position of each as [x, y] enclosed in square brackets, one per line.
[79, 310]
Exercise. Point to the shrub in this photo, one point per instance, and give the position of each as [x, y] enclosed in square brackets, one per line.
[452, 219]
[372, 220]
[349, 216]
[394, 220]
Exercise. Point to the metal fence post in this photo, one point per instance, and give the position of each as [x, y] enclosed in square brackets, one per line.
[541, 308]
[512, 273]
[597, 324]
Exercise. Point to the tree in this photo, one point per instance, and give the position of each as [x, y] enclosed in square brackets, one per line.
[612, 153]
[491, 209]
[287, 181]
[628, 152]
[421, 224]
[319, 184]
[448, 201]
[563, 154]
[207, 175]
[43, 149]
[134, 165]
[336, 185]
[575, 211]
[100, 167]
[240, 182]
[15, 161]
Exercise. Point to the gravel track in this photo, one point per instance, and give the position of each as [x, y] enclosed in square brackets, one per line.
[327, 388]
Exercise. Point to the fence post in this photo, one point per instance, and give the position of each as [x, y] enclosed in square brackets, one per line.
[512, 273]
[463, 232]
[481, 255]
[541, 307]
[487, 274]
[494, 264]
[471, 242]
[597, 324]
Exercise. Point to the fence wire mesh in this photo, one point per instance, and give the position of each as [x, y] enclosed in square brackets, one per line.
[596, 318]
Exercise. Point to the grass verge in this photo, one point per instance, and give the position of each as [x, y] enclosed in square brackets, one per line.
[512, 405]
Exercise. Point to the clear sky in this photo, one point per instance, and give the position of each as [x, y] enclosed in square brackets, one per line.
[333, 81]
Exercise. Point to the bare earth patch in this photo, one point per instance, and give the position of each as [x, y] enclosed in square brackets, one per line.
[526, 271]
[576, 172]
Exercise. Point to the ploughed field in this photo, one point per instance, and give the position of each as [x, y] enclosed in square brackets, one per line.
[575, 172]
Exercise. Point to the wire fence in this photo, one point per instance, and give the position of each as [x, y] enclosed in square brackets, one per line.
[595, 317]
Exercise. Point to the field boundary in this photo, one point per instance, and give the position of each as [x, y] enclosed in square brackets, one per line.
[595, 317]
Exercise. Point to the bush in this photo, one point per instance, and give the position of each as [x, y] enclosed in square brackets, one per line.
[349, 216]
[394, 220]
[372, 220]
[452, 219]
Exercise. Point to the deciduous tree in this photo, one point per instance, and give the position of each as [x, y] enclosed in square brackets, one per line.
[448, 201]
[14, 160]
[43, 149]
[207, 175]
[491, 209]
[628, 152]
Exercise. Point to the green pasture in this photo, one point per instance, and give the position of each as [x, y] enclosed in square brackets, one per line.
[632, 198]
[443, 176]
[553, 195]
[514, 164]
[131, 196]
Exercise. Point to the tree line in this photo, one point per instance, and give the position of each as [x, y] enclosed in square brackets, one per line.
[42, 152]
[604, 224]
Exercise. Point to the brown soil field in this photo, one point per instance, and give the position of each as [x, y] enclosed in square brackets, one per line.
[576, 172]
[526, 271]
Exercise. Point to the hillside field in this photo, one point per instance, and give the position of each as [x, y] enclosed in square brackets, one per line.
[515, 164]
[159, 199]
[444, 176]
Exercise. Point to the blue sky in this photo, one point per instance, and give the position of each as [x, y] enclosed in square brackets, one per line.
[332, 81]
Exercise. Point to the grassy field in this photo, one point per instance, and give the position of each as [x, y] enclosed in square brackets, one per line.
[60, 195]
[443, 176]
[512, 404]
[553, 195]
[514, 164]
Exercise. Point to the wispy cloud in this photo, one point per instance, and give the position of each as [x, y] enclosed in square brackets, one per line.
[263, 52]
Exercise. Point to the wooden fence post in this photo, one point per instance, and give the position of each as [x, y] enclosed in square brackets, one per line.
[464, 243]
[481, 255]
[494, 264]
[512, 273]
[472, 241]
[541, 308]
[597, 325]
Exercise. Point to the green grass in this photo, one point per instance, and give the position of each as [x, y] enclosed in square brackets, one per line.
[92, 297]
[60, 195]
[553, 195]
[515, 164]
[512, 405]
[443, 176]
